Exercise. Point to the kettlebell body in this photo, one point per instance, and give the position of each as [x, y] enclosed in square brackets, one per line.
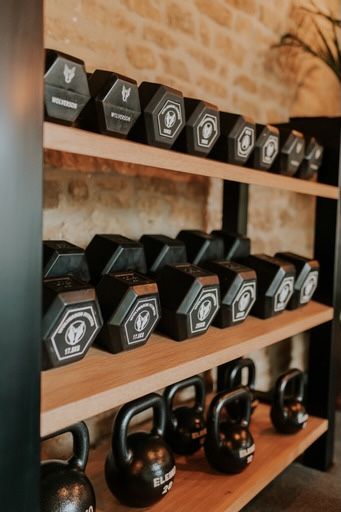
[288, 414]
[140, 469]
[229, 445]
[186, 426]
[64, 487]
[232, 377]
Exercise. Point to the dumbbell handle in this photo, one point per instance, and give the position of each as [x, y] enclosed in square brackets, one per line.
[263, 396]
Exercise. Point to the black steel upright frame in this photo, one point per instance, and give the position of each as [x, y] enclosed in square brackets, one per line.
[21, 57]
[325, 340]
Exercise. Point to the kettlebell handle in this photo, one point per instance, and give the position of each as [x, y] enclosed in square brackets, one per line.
[232, 373]
[81, 442]
[282, 382]
[123, 418]
[220, 401]
[200, 392]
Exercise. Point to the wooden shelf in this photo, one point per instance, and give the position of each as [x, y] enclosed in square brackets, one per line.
[198, 487]
[102, 381]
[73, 140]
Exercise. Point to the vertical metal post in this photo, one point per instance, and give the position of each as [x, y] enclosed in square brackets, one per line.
[325, 340]
[21, 53]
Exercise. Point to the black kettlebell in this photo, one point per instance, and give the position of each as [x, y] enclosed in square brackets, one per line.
[64, 487]
[233, 377]
[288, 413]
[229, 445]
[140, 469]
[186, 426]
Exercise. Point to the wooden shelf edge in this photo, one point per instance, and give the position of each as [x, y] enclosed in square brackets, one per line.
[73, 140]
[102, 381]
[206, 489]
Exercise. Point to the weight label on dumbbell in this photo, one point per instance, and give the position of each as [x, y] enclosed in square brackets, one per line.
[270, 149]
[245, 452]
[245, 142]
[204, 310]
[142, 320]
[309, 287]
[207, 131]
[170, 119]
[74, 333]
[284, 294]
[244, 301]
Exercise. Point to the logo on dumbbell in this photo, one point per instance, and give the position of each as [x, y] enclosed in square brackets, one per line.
[141, 320]
[125, 93]
[207, 131]
[270, 150]
[69, 73]
[284, 294]
[169, 119]
[309, 287]
[204, 310]
[245, 142]
[74, 332]
[243, 302]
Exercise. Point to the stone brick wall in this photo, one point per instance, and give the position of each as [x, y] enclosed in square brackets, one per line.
[219, 50]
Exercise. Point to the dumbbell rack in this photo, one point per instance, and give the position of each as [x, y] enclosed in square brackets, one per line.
[102, 381]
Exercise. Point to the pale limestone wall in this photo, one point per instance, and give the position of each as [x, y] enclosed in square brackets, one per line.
[214, 49]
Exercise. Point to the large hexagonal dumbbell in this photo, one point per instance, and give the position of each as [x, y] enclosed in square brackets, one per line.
[131, 309]
[235, 245]
[61, 258]
[66, 87]
[114, 106]
[129, 301]
[190, 300]
[307, 275]
[161, 250]
[237, 139]
[238, 289]
[202, 128]
[71, 320]
[312, 159]
[266, 147]
[291, 152]
[163, 115]
[275, 283]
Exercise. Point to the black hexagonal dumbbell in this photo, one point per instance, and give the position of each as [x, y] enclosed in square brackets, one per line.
[163, 115]
[235, 245]
[275, 283]
[236, 140]
[291, 152]
[266, 147]
[238, 284]
[114, 106]
[189, 295]
[129, 300]
[307, 275]
[71, 314]
[202, 128]
[66, 87]
[312, 159]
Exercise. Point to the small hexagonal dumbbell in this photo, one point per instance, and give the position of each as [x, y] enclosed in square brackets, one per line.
[307, 274]
[237, 282]
[312, 159]
[190, 300]
[202, 128]
[275, 283]
[71, 320]
[291, 152]
[129, 301]
[61, 258]
[114, 106]
[66, 87]
[189, 295]
[236, 140]
[163, 115]
[266, 147]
